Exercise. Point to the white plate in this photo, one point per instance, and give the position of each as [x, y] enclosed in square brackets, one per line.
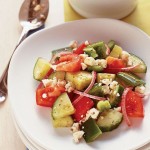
[35, 121]
[31, 145]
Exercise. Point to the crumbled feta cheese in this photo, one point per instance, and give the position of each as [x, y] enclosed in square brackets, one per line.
[84, 66]
[106, 89]
[69, 87]
[101, 62]
[86, 43]
[117, 94]
[99, 84]
[44, 95]
[73, 44]
[77, 136]
[61, 82]
[53, 67]
[113, 84]
[125, 55]
[83, 56]
[89, 61]
[106, 81]
[140, 89]
[93, 113]
[47, 82]
[75, 127]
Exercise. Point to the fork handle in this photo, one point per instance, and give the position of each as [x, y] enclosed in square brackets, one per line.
[3, 78]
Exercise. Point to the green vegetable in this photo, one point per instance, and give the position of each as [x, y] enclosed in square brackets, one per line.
[111, 44]
[62, 107]
[62, 122]
[42, 66]
[96, 90]
[115, 96]
[101, 76]
[103, 105]
[130, 79]
[91, 52]
[58, 75]
[95, 68]
[91, 129]
[142, 68]
[116, 51]
[80, 79]
[101, 51]
[65, 49]
[109, 120]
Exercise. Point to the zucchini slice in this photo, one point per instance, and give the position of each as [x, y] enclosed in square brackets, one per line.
[130, 79]
[62, 107]
[62, 122]
[101, 76]
[58, 75]
[42, 66]
[142, 68]
[109, 120]
[116, 51]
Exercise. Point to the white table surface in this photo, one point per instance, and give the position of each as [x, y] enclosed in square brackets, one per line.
[10, 31]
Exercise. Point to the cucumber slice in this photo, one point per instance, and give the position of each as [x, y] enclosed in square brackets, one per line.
[91, 130]
[62, 122]
[111, 44]
[142, 68]
[109, 120]
[42, 66]
[130, 79]
[62, 107]
[101, 76]
[80, 79]
[115, 96]
[116, 51]
[58, 75]
[103, 105]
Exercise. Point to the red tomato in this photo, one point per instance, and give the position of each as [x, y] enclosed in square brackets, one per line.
[114, 65]
[134, 105]
[79, 50]
[115, 62]
[42, 97]
[69, 63]
[47, 96]
[82, 107]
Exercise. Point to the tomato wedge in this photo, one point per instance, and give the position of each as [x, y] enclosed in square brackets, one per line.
[82, 107]
[79, 50]
[114, 65]
[115, 62]
[47, 96]
[134, 104]
[69, 63]
[42, 97]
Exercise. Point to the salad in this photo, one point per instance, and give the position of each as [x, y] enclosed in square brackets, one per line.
[91, 87]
